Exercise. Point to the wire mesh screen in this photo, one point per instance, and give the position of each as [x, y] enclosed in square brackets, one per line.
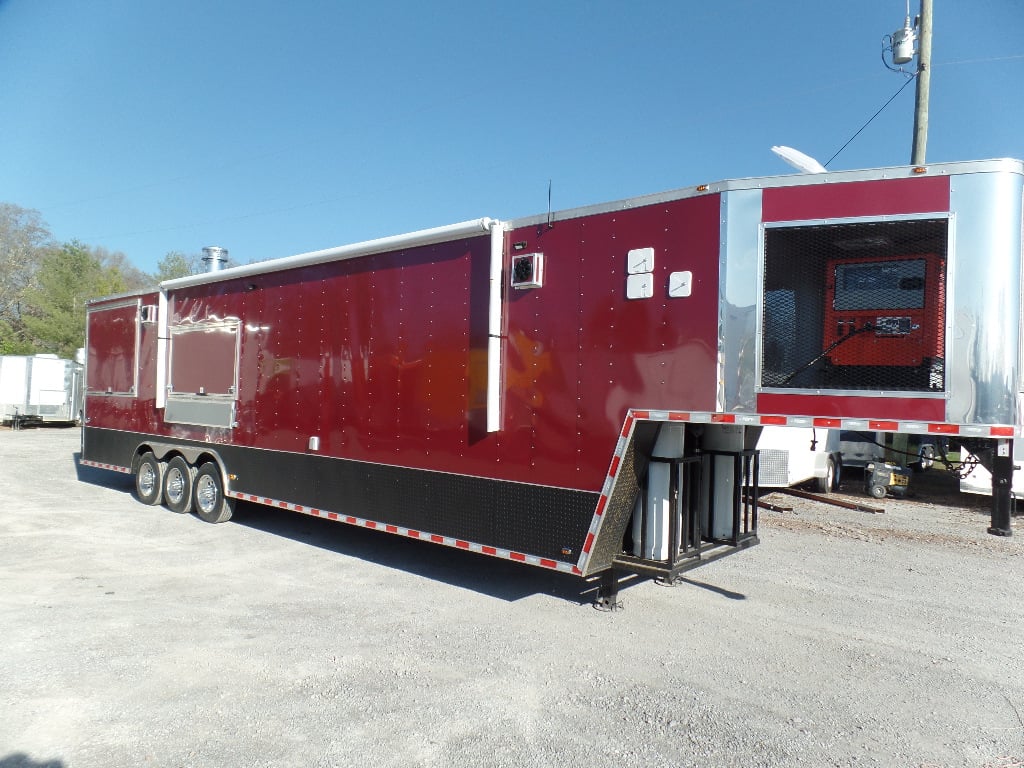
[855, 306]
[773, 467]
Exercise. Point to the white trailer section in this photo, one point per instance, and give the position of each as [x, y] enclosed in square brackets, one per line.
[40, 388]
[979, 479]
[789, 456]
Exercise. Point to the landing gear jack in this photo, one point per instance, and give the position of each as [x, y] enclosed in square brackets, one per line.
[608, 592]
[1002, 488]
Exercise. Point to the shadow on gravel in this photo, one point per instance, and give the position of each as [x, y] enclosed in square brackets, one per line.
[21, 760]
[491, 576]
[104, 477]
[468, 570]
[728, 593]
[936, 486]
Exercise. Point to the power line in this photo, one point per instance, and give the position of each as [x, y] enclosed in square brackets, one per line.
[891, 98]
[979, 61]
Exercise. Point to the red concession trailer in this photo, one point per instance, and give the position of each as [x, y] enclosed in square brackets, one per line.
[581, 391]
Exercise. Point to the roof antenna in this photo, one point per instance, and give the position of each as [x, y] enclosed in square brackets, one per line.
[550, 224]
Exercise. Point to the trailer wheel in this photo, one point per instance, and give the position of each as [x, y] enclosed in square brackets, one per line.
[877, 491]
[925, 460]
[827, 484]
[210, 502]
[149, 479]
[178, 485]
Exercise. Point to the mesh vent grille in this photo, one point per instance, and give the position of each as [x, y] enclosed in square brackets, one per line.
[772, 467]
[855, 306]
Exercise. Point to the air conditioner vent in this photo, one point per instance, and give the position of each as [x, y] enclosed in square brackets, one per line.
[528, 270]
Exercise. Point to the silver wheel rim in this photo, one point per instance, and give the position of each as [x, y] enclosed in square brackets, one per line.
[206, 494]
[175, 486]
[147, 479]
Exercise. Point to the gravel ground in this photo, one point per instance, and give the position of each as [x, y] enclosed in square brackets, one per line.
[133, 636]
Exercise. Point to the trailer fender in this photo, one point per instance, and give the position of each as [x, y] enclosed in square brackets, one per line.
[196, 456]
[208, 486]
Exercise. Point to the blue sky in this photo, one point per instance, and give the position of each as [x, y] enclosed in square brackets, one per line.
[275, 128]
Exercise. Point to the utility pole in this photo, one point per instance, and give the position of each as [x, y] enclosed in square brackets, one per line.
[924, 75]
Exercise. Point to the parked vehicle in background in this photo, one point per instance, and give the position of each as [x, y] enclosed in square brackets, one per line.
[979, 479]
[918, 452]
[859, 449]
[789, 456]
[40, 388]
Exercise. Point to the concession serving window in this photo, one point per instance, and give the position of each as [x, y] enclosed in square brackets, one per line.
[203, 374]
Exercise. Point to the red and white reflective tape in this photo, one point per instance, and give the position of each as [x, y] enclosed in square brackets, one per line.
[98, 465]
[412, 533]
[822, 422]
[606, 491]
[448, 541]
[759, 420]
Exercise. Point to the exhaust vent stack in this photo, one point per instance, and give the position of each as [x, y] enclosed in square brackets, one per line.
[215, 258]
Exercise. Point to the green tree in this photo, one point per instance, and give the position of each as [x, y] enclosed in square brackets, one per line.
[24, 240]
[177, 264]
[12, 339]
[54, 310]
[134, 278]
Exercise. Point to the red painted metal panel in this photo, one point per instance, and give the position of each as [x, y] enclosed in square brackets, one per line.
[110, 357]
[854, 407]
[148, 333]
[112, 344]
[203, 360]
[580, 354]
[384, 357]
[918, 194]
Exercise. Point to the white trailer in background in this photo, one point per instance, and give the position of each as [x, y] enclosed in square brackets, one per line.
[789, 456]
[40, 388]
[979, 479]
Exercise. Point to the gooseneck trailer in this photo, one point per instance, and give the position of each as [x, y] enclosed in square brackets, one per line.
[581, 391]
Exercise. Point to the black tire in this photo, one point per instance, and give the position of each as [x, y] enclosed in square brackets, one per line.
[208, 499]
[149, 479]
[925, 460]
[877, 491]
[827, 484]
[178, 483]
